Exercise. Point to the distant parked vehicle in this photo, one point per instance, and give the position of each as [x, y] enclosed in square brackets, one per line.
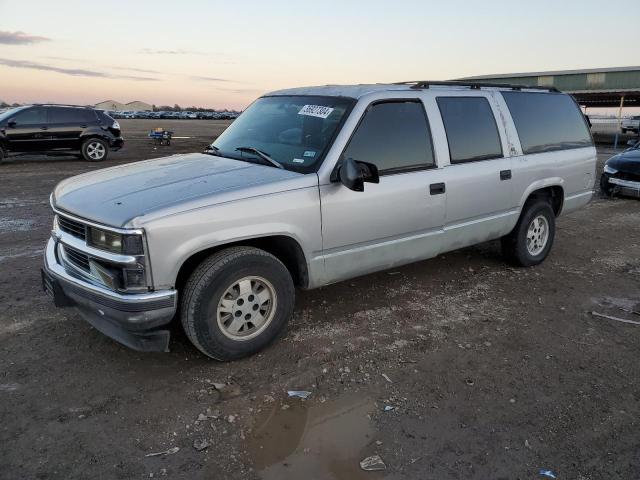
[630, 125]
[621, 173]
[56, 129]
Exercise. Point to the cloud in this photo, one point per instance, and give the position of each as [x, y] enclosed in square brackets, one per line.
[211, 79]
[179, 51]
[243, 90]
[139, 70]
[76, 72]
[20, 38]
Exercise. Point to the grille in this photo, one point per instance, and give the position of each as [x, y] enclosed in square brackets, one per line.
[77, 258]
[632, 177]
[72, 227]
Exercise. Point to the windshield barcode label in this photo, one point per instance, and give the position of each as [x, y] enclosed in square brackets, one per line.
[316, 111]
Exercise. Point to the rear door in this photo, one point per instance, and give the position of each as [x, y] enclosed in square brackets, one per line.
[66, 125]
[27, 131]
[480, 201]
[398, 220]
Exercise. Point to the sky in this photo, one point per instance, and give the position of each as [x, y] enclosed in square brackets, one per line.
[224, 54]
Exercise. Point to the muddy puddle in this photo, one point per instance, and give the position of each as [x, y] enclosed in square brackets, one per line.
[314, 440]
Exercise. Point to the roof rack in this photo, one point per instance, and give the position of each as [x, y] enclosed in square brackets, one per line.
[420, 84]
[60, 105]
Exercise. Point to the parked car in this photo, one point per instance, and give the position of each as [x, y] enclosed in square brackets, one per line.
[59, 129]
[630, 124]
[308, 187]
[622, 172]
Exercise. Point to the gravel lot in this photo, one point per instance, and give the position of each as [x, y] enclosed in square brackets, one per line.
[490, 371]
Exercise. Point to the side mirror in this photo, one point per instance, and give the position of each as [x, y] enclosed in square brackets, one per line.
[352, 174]
[632, 143]
[11, 124]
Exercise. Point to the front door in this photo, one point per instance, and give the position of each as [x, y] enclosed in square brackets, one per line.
[400, 219]
[27, 131]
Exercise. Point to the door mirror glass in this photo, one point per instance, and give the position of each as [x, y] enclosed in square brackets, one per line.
[352, 174]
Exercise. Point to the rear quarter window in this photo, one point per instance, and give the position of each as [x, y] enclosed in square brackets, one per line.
[547, 121]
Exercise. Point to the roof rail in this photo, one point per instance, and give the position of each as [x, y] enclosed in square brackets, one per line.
[420, 84]
[60, 105]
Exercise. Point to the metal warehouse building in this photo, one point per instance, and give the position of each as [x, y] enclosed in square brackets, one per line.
[115, 106]
[595, 87]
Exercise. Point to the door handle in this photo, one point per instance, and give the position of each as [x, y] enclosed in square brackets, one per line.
[44, 128]
[505, 174]
[436, 188]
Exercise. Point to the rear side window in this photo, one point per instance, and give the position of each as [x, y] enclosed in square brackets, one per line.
[471, 128]
[71, 115]
[547, 121]
[394, 136]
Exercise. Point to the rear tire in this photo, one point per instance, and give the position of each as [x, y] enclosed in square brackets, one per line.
[237, 302]
[95, 150]
[531, 239]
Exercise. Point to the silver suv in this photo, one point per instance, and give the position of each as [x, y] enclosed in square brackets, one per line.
[311, 186]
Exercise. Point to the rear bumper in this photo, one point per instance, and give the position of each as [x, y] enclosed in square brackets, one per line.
[135, 320]
[116, 143]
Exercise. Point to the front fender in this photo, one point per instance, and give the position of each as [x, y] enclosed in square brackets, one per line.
[175, 238]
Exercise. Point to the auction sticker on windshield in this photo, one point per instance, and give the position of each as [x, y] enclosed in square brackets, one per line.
[316, 111]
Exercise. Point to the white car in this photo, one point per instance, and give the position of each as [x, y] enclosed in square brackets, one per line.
[630, 124]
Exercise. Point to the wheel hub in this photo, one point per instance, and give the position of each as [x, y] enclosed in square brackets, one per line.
[537, 235]
[95, 150]
[246, 308]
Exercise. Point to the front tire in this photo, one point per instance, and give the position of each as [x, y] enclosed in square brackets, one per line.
[94, 150]
[531, 239]
[237, 302]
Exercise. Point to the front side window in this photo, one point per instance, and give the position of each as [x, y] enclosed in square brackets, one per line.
[547, 121]
[30, 116]
[471, 128]
[394, 136]
[295, 131]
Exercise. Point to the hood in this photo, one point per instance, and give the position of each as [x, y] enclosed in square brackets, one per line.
[628, 162]
[115, 196]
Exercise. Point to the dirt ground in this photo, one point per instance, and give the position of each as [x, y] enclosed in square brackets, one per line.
[459, 367]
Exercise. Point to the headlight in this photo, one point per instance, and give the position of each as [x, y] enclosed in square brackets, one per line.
[611, 170]
[115, 242]
[115, 125]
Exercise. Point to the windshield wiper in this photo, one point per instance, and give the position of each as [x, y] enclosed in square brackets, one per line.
[261, 154]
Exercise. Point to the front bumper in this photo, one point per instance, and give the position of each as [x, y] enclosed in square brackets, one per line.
[135, 320]
[625, 187]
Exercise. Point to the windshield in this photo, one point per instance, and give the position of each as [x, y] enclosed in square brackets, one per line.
[8, 113]
[295, 131]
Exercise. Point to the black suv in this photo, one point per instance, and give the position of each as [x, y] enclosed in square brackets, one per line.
[58, 129]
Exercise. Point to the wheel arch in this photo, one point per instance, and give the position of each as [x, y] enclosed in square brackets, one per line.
[93, 133]
[283, 247]
[551, 191]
